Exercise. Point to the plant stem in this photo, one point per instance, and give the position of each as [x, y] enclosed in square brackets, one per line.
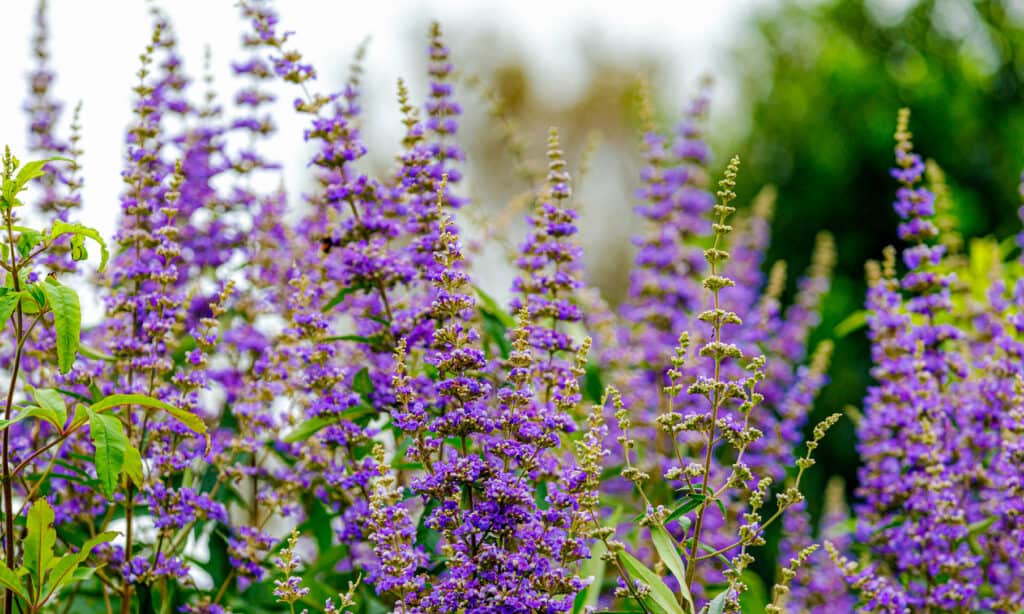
[8, 485]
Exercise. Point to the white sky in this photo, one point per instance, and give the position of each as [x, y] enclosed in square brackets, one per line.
[94, 47]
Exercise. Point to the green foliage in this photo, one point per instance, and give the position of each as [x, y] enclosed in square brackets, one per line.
[660, 600]
[307, 429]
[109, 438]
[8, 302]
[594, 568]
[717, 605]
[79, 233]
[52, 403]
[42, 573]
[669, 553]
[190, 420]
[12, 186]
[822, 80]
[67, 318]
[32, 571]
[39, 543]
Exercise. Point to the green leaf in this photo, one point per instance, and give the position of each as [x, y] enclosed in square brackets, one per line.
[67, 318]
[308, 428]
[684, 505]
[851, 323]
[592, 568]
[660, 600]
[595, 566]
[110, 441]
[190, 420]
[51, 400]
[28, 172]
[718, 555]
[66, 569]
[80, 417]
[756, 596]
[78, 251]
[82, 574]
[63, 228]
[340, 296]
[318, 522]
[593, 383]
[668, 551]
[93, 353]
[27, 240]
[374, 341]
[38, 544]
[490, 305]
[34, 412]
[717, 604]
[31, 170]
[980, 526]
[426, 536]
[133, 465]
[10, 579]
[974, 529]
[361, 382]
[37, 294]
[496, 332]
[8, 303]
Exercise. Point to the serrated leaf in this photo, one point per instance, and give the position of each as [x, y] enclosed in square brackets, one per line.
[39, 542]
[34, 412]
[668, 551]
[110, 441]
[9, 579]
[27, 240]
[63, 228]
[190, 420]
[27, 172]
[67, 318]
[660, 600]
[66, 569]
[37, 294]
[8, 303]
[51, 400]
[33, 169]
[79, 417]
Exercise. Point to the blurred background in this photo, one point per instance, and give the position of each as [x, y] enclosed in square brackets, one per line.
[806, 92]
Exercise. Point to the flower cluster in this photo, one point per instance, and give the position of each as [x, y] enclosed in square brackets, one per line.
[308, 404]
[941, 432]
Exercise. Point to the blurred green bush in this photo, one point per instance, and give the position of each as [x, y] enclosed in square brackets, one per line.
[823, 83]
